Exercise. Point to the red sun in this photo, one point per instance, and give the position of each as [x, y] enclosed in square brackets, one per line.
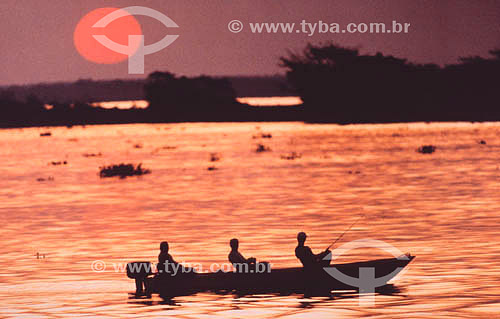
[117, 31]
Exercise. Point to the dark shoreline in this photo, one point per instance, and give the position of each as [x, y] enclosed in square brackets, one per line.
[252, 114]
[338, 85]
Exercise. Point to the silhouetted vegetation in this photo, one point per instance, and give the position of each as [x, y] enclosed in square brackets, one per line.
[92, 154]
[88, 90]
[426, 149]
[291, 156]
[263, 135]
[262, 148]
[33, 112]
[123, 170]
[181, 99]
[171, 97]
[58, 163]
[214, 157]
[338, 84]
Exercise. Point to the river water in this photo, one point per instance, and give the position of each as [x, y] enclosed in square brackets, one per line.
[441, 207]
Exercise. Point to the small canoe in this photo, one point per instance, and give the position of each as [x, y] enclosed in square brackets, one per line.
[279, 280]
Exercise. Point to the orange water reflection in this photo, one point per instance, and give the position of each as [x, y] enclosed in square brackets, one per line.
[271, 101]
[443, 208]
[254, 101]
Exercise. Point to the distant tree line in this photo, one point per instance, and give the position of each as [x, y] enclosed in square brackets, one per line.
[182, 99]
[339, 84]
[33, 112]
[171, 99]
[88, 90]
[336, 84]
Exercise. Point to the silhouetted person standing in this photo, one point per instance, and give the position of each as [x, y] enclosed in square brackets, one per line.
[236, 258]
[307, 257]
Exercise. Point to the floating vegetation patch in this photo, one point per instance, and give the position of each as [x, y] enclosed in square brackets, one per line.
[263, 135]
[426, 149]
[291, 156]
[157, 150]
[92, 154]
[123, 170]
[214, 157]
[59, 163]
[262, 148]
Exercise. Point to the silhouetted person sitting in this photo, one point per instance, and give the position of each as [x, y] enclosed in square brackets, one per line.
[236, 258]
[168, 267]
[306, 256]
[166, 263]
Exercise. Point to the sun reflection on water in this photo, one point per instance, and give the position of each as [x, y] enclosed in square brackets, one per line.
[442, 207]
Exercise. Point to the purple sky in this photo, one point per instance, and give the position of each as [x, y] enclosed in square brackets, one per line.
[36, 38]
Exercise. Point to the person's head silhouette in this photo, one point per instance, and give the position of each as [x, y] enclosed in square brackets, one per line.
[301, 238]
[164, 247]
[234, 243]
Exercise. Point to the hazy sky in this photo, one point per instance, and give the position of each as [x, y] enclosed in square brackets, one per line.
[36, 38]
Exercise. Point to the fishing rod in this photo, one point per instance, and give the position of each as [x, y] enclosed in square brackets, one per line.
[342, 235]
